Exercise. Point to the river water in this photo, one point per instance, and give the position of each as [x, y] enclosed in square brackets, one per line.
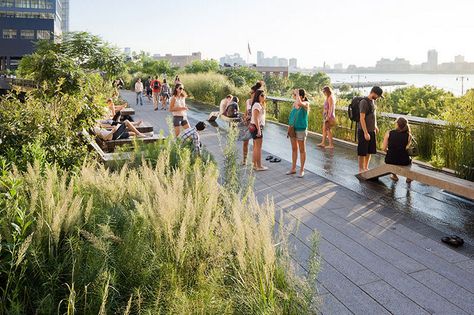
[447, 82]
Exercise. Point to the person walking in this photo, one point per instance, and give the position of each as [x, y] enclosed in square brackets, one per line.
[139, 91]
[367, 128]
[298, 130]
[247, 117]
[329, 118]
[155, 90]
[396, 143]
[165, 94]
[257, 123]
[148, 88]
[177, 80]
[178, 109]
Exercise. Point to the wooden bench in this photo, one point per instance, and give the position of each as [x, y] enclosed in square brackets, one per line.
[110, 145]
[143, 128]
[105, 157]
[458, 186]
[127, 111]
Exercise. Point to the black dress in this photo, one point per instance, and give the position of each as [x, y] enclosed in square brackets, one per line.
[397, 153]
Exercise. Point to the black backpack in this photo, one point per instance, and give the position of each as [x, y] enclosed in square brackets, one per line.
[353, 110]
[156, 85]
[232, 110]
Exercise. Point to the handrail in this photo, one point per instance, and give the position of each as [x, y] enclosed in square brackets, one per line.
[412, 119]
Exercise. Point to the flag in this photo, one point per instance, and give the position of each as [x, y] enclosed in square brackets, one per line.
[250, 52]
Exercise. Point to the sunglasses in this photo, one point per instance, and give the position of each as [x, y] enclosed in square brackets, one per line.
[180, 88]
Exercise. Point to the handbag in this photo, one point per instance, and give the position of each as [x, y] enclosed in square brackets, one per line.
[291, 128]
[413, 148]
[332, 122]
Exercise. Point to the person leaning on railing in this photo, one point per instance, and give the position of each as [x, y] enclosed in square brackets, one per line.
[396, 143]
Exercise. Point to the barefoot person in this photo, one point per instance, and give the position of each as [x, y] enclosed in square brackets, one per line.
[247, 117]
[299, 121]
[367, 128]
[329, 118]
[178, 109]
[396, 143]
[258, 123]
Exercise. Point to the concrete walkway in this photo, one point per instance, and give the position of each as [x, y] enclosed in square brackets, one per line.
[375, 259]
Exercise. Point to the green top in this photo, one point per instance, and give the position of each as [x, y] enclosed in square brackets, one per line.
[301, 121]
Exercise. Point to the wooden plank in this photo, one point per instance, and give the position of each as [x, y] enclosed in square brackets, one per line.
[449, 183]
[111, 144]
[127, 111]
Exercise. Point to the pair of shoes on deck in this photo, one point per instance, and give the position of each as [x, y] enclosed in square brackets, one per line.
[273, 159]
[453, 240]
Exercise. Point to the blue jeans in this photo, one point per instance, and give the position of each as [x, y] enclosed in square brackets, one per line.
[140, 96]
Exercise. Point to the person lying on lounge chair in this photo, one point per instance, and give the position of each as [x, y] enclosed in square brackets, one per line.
[124, 130]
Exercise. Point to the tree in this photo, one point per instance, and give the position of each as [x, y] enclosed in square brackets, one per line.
[427, 101]
[277, 85]
[241, 76]
[460, 111]
[345, 88]
[199, 66]
[311, 83]
[70, 60]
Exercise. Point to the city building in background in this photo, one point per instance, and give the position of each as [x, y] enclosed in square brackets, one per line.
[395, 65]
[275, 61]
[179, 61]
[23, 22]
[232, 60]
[432, 64]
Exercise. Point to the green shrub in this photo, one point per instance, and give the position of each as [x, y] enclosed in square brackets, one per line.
[211, 87]
[154, 240]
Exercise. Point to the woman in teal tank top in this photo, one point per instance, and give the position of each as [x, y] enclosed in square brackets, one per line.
[299, 120]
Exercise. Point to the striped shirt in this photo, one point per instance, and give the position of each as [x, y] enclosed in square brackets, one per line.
[192, 135]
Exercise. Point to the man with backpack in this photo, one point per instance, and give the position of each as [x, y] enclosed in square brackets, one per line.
[363, 111]
[232, 110]
[156, 90]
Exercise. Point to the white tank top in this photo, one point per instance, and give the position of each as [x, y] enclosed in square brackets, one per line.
[180, 102]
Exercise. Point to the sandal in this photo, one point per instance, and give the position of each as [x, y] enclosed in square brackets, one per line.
[453, 240]
[290, 172]
[275, 160]
[270, 157]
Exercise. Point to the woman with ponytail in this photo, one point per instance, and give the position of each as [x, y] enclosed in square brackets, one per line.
[248, 115]
[395, 143]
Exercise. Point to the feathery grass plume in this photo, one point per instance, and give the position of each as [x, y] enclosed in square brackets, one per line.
[162, 236]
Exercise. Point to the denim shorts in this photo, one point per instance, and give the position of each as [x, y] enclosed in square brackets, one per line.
[179, 121]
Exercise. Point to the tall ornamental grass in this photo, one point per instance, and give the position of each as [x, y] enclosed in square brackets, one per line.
[211, 87]
[147, 239]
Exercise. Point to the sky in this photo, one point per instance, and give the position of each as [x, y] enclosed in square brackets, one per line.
[313, 31]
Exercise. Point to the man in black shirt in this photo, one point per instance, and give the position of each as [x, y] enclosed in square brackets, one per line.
[367, 128]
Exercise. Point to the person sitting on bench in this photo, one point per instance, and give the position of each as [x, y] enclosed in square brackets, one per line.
[232, 109]
[106, 123]
[192, 134]
[114, 108]
[120, 131]
[396, 143]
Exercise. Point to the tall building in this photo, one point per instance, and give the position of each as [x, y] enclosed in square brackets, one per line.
[65, 15]
[282, 62]
[260, 58]
[459, 59]
[293, 63]
[232, 60]
[23, 22]
[432, 60]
